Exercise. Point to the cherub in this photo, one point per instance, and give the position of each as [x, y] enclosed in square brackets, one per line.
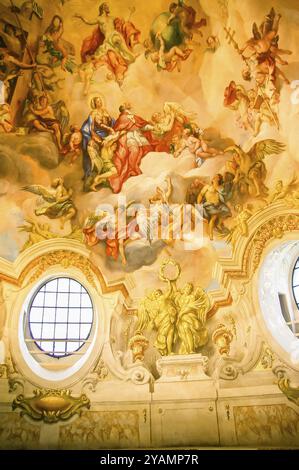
[57, 199]
[241, 225]
[197, 146]
[169, 60]
[186, 15]
[212, 43]
[86, 71]
[162, 196]
[73, 147]
[243, 215]
[281, 190]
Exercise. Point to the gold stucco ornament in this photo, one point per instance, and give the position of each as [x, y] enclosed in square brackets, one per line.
[222, 338]
[177, 315]
[51, 406]
[138, 344]
[284, 384]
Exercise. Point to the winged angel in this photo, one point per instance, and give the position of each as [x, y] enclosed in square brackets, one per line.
[177, 315]
[249, 167]
[57, 201]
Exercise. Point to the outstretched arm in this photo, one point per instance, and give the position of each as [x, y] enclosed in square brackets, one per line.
[90, 23]
[20, 64]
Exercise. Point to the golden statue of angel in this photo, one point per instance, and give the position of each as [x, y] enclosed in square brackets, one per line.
[193, 305]
[178, 316]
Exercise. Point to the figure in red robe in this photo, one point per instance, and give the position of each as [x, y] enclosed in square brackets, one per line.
[133, 145]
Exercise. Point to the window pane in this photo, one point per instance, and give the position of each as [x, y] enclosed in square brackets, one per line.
[60, 330]
[63, 284]
[74, 315]
[75, 286]
[86, 315]
[48, 331]
[51, 286]
[73, 331]
[84, 331]
[59, 347]
[46, 346]
[74, 300]
[50, 299]
[39, 300]
[36, 330]
[61, 315]
[62, 300]
[72, 347]
[85, 302]
[36, 314]
[49, 315]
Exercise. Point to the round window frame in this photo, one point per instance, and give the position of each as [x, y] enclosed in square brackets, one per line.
[280, 337]
[27, 319]
[296, 301]
[34, 371]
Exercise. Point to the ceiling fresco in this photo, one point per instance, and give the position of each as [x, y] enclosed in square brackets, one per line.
[153, 103]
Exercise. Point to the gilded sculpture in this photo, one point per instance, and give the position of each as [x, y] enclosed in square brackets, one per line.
[177, 315]
[222, 338]
[51, 406]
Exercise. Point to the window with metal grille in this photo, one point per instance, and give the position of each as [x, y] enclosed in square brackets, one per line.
[294, 323]
[60, 317]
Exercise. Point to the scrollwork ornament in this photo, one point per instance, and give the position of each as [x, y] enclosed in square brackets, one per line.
[140, 376]
[284, 384]
[66, 259]
[228, 371]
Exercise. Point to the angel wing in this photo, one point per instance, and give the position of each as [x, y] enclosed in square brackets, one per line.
[233, 149]
[268, 23]
[61, 114]
[255, 31]
[40, 191]
[264, 148]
